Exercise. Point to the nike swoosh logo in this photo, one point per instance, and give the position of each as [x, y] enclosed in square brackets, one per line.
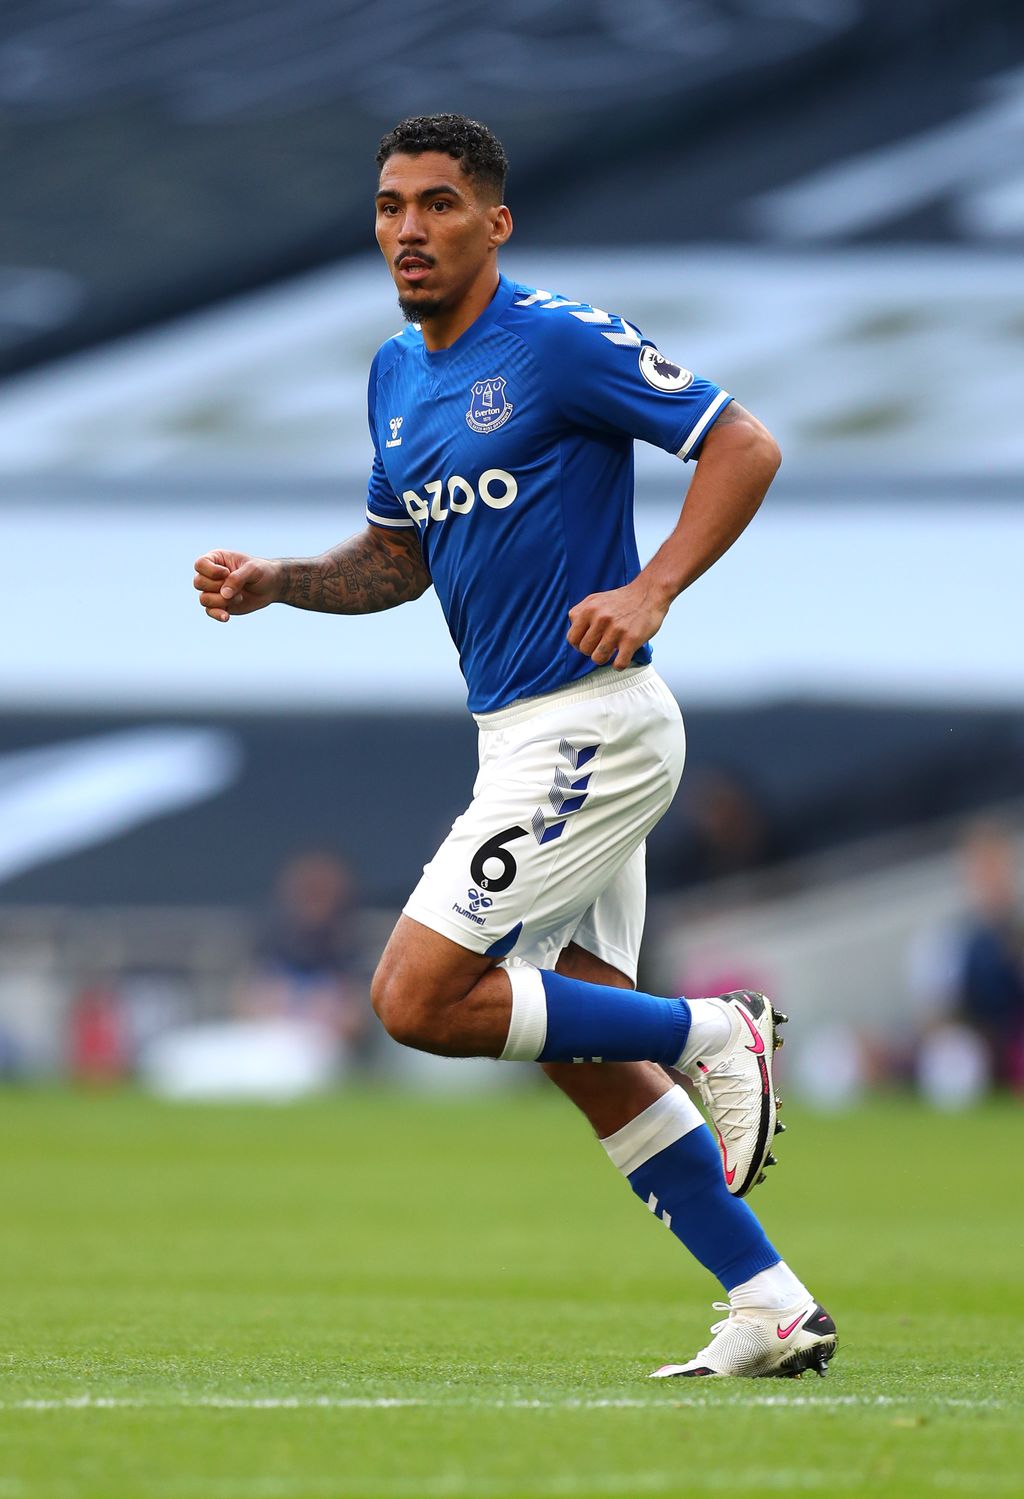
[784, 1332]
[758, 1046]
[730, 1176]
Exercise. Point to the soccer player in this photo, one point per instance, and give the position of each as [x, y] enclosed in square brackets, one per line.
[503, 419]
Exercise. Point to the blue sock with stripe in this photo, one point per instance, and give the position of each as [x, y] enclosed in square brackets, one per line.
[672, 1163]
[559, 1019]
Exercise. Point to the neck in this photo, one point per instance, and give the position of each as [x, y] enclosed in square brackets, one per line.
[440, 332]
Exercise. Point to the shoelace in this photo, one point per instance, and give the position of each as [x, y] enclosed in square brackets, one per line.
[721, 1306]
[736, 1314]
[716, 1327]
[728, 1109]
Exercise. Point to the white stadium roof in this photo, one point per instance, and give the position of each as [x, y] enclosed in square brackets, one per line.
[885, 563]
[863, 362]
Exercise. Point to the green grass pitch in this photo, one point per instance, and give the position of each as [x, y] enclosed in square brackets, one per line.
[376, 1296]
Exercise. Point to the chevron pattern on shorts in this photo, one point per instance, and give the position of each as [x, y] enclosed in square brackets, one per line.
[568, 792]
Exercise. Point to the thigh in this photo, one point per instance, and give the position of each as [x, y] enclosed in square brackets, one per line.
[432, 994]
[421, 960]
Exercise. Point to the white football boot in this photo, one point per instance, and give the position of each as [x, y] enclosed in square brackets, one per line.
[737, 1088]
[759, 1344]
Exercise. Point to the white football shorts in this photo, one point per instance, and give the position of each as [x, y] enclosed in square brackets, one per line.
[551, 848]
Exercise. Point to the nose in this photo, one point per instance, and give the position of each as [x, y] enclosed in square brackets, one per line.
[412, 231]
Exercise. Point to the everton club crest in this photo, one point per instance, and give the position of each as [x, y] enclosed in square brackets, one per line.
[489, 407]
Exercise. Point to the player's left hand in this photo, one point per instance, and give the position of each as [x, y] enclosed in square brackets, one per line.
[611, 627]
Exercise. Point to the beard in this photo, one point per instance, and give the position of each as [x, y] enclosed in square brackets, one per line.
[420, 311]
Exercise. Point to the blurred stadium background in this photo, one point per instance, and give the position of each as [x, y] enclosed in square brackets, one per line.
[206, 833]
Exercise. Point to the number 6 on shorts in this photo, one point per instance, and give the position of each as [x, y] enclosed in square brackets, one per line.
[495, 848]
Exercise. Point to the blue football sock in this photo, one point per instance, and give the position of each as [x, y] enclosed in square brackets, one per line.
[592, 1022]
[670, 1159]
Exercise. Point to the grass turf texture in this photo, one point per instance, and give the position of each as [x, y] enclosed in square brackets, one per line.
[479, 1263]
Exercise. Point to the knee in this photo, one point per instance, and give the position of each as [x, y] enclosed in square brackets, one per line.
[406, 1015]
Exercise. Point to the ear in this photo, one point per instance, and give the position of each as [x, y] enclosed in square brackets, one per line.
[501, 226]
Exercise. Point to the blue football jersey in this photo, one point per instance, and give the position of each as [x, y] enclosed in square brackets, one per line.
[511, 452]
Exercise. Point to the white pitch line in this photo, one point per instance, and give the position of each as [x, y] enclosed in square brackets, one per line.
[383, 1403]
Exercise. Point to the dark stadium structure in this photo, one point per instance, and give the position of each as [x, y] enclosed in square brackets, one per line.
[816, 774]
[158, 158]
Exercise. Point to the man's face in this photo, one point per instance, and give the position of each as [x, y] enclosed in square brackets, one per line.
[437, 231]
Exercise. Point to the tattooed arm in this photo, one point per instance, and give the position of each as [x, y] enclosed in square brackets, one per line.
[373, 570]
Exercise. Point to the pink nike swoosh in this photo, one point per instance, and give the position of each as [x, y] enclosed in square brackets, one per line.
[784, 1332]
[730, 1176]
[758, 1048]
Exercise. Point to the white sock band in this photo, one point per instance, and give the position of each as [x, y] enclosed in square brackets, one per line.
[774, 1288]
[710, 1029]
[665, 1121]
[528, 1027]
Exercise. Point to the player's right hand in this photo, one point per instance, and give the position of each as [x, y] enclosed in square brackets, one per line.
[233, 583]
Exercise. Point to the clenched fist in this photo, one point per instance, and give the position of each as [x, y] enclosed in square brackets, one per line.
[232, 583]
[611, 627]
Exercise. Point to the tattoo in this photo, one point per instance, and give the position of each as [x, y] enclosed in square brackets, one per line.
[372, 570]
[734, 412]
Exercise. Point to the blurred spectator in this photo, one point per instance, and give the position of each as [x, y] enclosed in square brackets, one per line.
[990, 996]
[973, 980]
[718, 827]
[731, 828]
[98, 1053]
[307, 962]
[10, 1059]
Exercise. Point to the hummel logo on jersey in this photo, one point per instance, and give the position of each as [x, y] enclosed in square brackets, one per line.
[476, 900]
[394, 441]
[489, 407]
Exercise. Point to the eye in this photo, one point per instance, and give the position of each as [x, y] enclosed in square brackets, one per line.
[442, 204]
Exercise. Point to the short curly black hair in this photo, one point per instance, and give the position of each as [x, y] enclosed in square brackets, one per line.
[473, 145]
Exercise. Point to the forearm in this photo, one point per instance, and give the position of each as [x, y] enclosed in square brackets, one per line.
[372, 570]
[738, 461]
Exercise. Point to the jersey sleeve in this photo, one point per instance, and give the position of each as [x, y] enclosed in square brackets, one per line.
[383, 507]
[605, 374]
